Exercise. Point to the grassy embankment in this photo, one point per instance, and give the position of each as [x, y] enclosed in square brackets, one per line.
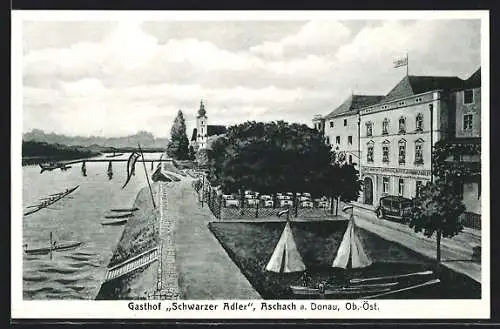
[139, 234]
[251, 245]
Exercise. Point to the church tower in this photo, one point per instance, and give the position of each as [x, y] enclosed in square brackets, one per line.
[201, 127]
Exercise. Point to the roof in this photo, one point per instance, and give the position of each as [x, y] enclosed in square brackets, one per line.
[474, 81]
[212, 130]
[193, 136]
[413, 85]
[216, 130]
[352, 105]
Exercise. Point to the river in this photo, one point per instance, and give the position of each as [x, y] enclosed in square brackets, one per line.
[78, 273]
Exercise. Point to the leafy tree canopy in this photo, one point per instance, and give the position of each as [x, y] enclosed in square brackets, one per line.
[269, 157]
[178, 145]
[437, 209]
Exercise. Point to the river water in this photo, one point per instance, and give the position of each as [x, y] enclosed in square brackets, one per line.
[78, 273]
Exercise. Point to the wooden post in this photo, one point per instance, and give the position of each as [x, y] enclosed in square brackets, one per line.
[257, 209]
[202, 190]
[51, 246]
[147, 178]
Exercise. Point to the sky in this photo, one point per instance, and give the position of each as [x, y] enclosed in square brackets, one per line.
[115, 78]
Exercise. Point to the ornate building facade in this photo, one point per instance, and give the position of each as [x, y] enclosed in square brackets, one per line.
[397, 136]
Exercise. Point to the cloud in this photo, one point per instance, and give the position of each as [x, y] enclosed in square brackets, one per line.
[314, 37]
[136, 76]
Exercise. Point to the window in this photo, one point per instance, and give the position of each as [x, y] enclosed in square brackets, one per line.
[418, 186]
[468, 96]
[349, 140]
[401, 186]
[345, 122]
[369, 154]
[337, 139]
[202, 130]
[401, 103]
[418, 99]
[350, 159]
[328, 140]
[402, 125]
[369, 127]
[385, 151]
[331, 124]
[468, 122]
[419, 122]
[202, 122]
[402, 151]
[385, 126]
[385, 184]
[419, 156]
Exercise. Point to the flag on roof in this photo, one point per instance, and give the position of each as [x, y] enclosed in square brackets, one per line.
[401, 62]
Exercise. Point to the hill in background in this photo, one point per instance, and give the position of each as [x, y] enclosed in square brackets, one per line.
[96, 143]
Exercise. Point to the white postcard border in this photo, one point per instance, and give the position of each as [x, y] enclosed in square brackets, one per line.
[388, 309]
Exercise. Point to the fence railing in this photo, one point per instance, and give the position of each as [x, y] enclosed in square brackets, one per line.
[471, 220]
[242, 208]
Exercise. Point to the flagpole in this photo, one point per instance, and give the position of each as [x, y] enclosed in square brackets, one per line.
[407, 63]
[147, 178]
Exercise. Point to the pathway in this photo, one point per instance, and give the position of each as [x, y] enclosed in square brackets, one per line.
[204, 270]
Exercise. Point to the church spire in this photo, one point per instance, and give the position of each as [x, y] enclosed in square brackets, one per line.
[201, 111]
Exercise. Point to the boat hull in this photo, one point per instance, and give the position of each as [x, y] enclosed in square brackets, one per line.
[61, 247]
[54, 198]
[115, 222]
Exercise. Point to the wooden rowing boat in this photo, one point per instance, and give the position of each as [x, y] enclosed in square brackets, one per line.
[124, 209]
[58, 247]
[120, 216]
[115, 222]
[53, 199]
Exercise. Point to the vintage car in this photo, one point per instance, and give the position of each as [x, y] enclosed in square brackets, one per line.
[394, 207]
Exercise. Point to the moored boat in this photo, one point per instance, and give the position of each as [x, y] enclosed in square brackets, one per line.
[119, 216]
[53, 198]
[115, 222]
[351, 254]
[59, 247]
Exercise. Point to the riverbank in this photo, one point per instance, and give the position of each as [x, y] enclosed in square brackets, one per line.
[139, 234]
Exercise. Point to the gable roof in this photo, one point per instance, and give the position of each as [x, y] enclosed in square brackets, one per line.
[353, 103]
[413, 85]
[474, 81]
[216, 130]
[212, 130]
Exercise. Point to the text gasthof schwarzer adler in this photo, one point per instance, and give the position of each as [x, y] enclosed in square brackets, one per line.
[253, 306]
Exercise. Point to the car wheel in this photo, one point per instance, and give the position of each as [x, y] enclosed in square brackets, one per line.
[380, 214]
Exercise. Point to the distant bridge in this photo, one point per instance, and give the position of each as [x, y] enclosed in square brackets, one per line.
[114, 160]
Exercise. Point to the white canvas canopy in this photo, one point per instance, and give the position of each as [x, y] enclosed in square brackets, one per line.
[286, 257]
[351, 248]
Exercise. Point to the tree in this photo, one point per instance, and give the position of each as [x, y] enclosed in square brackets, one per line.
[191, 153]
[341, 183]
[178, 145]
[437, 210]
[269, 158]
